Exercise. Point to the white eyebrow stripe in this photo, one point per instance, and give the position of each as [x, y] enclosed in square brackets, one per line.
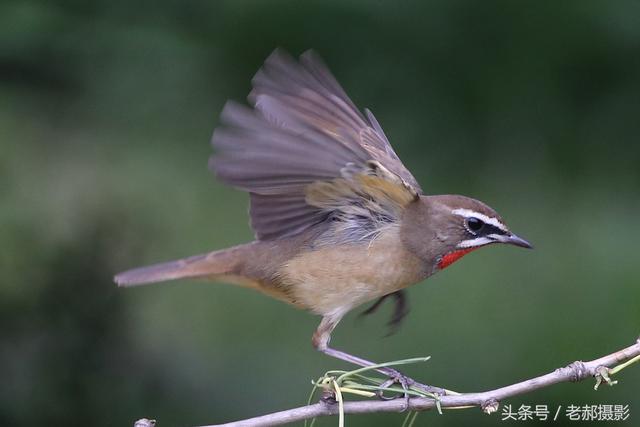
[468, 213]
[478, 241]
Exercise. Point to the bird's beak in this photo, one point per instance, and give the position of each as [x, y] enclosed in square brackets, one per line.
[511, 239]
[517, 241]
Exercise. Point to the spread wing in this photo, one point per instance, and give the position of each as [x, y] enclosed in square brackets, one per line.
[306, 154]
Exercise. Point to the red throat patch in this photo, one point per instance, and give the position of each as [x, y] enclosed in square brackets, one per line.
[452, 257]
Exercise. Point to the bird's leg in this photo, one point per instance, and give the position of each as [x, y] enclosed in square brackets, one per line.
[393, 374]
[400, 310]
[321, 342]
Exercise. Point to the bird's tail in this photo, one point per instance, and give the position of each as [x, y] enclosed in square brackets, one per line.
[210, 265]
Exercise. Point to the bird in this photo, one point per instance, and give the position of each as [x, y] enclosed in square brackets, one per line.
[339, 221]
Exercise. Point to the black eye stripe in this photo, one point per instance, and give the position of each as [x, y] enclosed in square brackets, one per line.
[491, 229]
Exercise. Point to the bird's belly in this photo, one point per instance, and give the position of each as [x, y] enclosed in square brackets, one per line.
[338, 278]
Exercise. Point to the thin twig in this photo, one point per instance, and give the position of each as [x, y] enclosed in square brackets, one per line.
[487, 400]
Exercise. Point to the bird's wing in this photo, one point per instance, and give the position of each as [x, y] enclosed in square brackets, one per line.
[304, 152]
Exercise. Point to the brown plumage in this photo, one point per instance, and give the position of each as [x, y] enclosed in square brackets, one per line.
[339, 220]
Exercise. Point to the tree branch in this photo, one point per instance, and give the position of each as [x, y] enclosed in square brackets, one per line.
[487, 400]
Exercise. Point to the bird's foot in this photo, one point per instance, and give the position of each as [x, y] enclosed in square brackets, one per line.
[406, 383]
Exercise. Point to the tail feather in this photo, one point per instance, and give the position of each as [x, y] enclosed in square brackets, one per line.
[205, 265]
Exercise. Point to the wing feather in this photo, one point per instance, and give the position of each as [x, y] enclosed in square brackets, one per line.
[305, 153]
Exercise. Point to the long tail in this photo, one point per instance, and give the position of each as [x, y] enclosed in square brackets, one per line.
[212, 264]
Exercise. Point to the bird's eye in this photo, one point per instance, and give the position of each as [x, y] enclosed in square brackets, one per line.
[474, 224]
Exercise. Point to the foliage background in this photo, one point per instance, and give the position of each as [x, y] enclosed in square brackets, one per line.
[107, 108]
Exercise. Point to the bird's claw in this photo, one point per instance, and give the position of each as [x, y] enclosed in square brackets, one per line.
[424, 388]
[405, 382]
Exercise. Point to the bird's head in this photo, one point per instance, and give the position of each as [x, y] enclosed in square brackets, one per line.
[444, 228]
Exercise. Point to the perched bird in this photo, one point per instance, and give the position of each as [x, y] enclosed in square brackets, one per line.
[338, 219]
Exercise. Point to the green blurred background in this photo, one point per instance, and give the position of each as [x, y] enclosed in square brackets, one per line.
[106, 110]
